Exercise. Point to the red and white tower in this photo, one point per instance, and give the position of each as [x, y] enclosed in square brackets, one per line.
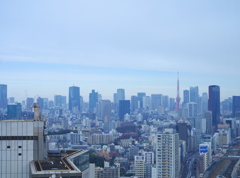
[178, 99]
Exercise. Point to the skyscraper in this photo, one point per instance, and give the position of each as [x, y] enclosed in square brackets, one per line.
[58, 101]
[156, 100]
[214, 104]
[185, 97]
[29, 105]
[140, 98]
[236, 106]
[3, 96]
[167, 154]
[194, 94]
[134, 103]
[124, 108]
[74, 98]
[93, 99]
[208, 116]
[120, 95]
[14, 111]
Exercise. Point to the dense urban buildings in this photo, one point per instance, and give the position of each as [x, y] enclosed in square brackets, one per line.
[144, 137]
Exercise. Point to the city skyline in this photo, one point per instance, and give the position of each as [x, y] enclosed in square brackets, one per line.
[46, 47]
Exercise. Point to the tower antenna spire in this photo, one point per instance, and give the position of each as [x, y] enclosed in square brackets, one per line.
[178, 99]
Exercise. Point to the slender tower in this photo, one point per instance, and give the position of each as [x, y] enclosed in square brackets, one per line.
[177, 107]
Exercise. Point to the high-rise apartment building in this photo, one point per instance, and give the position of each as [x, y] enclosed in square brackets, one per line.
[214, 104]
[74, 98]
[3, 96]
[139, 161]
[236, 106]
[124, 108]
[21, 142]
[167, 155]
[93, 99]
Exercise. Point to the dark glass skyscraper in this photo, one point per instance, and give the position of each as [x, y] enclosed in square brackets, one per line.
[214, 104]
[124, 108]
[3, 96]
[93, 99]
[74, 98]
[134, 103]
[236, 106]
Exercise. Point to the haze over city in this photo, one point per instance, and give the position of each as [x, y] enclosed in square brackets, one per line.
[47, 46]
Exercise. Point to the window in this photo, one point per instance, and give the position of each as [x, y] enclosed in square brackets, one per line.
[19, 146]
[8, 146]
[19, 154]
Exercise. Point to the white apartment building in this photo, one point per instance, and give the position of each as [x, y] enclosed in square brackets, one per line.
[167, 154]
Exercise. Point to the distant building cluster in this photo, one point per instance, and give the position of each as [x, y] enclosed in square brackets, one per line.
[147, 136]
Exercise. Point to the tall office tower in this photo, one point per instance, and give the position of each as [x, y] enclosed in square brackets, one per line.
[3, 96]
[167, 154]
[124, 108]
[64, 100]
[214, 104]
[93, 99]
[45, 103]
[165, 101]
[106, 108]
[193, 93]
[184, 130]
[134, 103]
[29, 105]
[172, 104]
[192, 109]
[156, 100]
[120, 95]
[11, 100]
[115, 101]
[40, 102]
[204, 102]
[147, 102]
[58, 101]
[74, 98]
[185, 97]
[21, 142]
[139, 161]
[236, 106]
[14, 111]
[140, 98]
[208, 117]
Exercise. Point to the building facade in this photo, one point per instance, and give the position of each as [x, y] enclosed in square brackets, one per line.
[168, 163]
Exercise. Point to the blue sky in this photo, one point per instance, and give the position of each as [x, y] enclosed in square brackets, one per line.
[47, 46]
